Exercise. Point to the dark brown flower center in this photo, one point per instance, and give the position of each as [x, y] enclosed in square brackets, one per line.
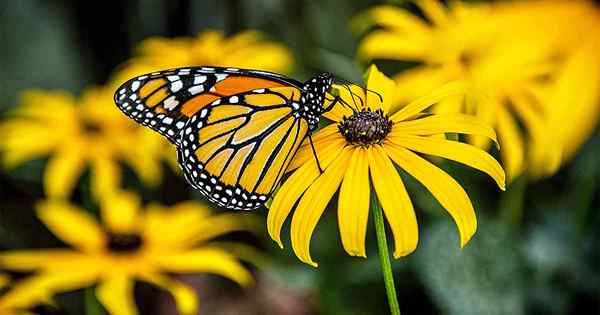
[122, 242]
[91, 127]
[365, 127]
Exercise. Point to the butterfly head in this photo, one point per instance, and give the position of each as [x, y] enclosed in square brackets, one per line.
[313, 96]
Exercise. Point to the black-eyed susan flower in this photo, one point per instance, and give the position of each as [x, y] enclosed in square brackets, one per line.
[132, 244]
[247, 49]
[362, 149]
[506, 53]
[76, 134]
[23, 297]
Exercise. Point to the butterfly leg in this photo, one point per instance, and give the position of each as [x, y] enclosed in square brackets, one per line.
[312, 145]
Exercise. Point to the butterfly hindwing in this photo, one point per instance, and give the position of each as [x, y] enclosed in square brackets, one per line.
[236, 130]
[236, 149]
[165, 100]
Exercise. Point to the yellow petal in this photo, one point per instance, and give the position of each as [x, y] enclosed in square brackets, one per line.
[120, 212]
[544, 156]
[72, 225]
[29, 260]
[245, 253]
[397, 19]
[456, 151]
[387, 45]
[484, 109]
[166, 227]
[418, 81]
[313, 204]
[512, 151]
[116, 295]
[323, 148]
[378, 82]
[286, 197]
[443, 187]
[221, 224]
[394, 199]
[21, 141]
[353, 204]
[106, 177]
[422, 103]
[434, 11]
[187, 224]
[39, 287]
[185, 296]
[444, 123]
[352, 98]
[62, 173]
[206, 259]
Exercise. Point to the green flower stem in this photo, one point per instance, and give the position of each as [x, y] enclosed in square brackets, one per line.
[384, 256]
[513, 201]
[92, 305]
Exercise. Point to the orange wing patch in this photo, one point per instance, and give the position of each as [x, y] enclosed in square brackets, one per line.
[195, 104]
[237, 84]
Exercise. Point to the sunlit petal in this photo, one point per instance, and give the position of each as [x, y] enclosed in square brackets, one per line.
[312, 205]
[513, 151]
[434, 11]
[62, 173]
[387, 45]
[443, 123]
[116, 294]
[72, 225]
[120, 212]
[428, 100]
[286, 197]
[40, 287]
[378, 82]
[456, 151]
[353, 204]
[29, 260]
[394, 199]
[206, 259]
[106, 177]
[443, 187]
[323, 149]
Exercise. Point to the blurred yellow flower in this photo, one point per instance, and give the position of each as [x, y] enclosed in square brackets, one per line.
[22, 297]
[133, 244]
[77, 133]
[246, 49]
[366, 141]
[511, 56]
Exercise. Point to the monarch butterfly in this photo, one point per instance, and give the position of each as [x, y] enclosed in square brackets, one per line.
[236, 130]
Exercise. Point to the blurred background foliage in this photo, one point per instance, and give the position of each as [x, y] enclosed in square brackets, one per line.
[536, 251]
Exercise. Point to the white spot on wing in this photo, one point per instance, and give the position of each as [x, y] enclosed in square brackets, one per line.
[176, 86]
[196, 89]
[199, 79]
[171, 103]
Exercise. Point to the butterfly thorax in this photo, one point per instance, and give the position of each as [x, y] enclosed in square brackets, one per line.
[312, 98]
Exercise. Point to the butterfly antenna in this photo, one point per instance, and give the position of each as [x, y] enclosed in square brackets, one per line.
[376, 93]
[312, 145]
[356, 108]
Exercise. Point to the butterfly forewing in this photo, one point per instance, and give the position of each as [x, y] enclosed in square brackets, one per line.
[236, 130]
[164, 101]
